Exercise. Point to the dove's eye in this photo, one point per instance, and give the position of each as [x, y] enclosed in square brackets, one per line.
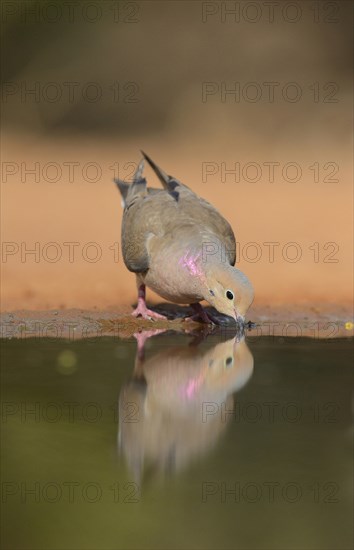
[229, 295]
[228, 362]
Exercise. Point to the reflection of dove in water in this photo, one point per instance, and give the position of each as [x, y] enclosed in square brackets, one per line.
[181, 247]
[179, 403]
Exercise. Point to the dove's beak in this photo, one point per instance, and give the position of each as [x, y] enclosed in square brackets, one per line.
[239, 318]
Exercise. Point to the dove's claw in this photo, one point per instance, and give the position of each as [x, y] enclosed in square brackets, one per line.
[200, 315]
[200, 318]
[145, 313]
[142, 310]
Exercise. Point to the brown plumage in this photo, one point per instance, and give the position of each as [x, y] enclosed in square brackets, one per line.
[180, 246]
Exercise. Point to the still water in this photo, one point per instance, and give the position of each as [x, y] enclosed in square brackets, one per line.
[222, 442]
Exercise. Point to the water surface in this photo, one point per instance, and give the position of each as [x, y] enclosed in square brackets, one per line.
[209, 444]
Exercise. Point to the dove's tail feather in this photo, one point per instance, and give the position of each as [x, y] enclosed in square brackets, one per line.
[139, 171]
[137, 182]
[169, 183]
[123, 188]
[163, 177]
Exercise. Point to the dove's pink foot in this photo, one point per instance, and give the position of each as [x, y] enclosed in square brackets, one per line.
[146, 313]
[142, 310]
[200, 315]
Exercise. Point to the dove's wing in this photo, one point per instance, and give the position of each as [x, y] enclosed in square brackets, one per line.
[204, 215]
[141, 221]
[156, 214]
[208, 219]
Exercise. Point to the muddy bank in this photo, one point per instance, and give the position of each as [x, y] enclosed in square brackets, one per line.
[319, 321]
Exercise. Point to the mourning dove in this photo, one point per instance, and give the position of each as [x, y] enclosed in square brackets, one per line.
[181, 247]
[179, 402]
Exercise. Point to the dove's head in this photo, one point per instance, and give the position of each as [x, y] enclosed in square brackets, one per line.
[229, 290]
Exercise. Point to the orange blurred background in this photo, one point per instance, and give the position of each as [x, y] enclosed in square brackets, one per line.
[190, 85]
